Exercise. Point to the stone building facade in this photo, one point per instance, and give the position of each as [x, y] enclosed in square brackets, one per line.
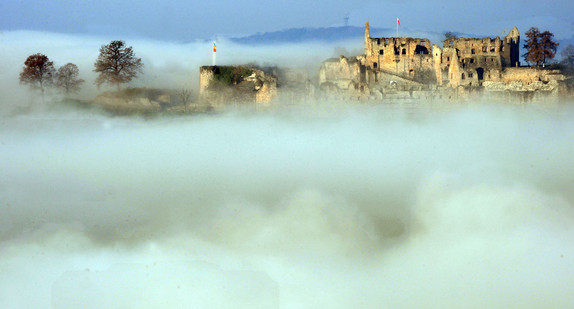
[461, 61]
[409, 64]
[471, 61]
[401, 55]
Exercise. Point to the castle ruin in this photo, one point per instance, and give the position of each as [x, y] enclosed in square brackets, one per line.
[221, 84]
[394, 64]
[391, 68]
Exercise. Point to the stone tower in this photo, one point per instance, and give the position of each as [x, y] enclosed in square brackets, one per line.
[367, 39]
[511, 47]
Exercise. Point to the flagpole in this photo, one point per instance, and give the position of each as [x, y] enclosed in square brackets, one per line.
[397, 27]
[214, 55]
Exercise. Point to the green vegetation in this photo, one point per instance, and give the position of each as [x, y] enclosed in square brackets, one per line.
[231, 75]
[132, 92]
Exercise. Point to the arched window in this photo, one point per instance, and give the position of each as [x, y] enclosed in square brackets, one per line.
[462, 76]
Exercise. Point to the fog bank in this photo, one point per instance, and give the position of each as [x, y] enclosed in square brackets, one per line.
[167, 64]
[329, 207]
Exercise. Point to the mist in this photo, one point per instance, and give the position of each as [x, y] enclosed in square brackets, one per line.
[335, 207]
[167, 64]
[328, 205]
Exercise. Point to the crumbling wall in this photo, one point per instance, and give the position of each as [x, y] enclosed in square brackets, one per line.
[437, 56]
[475, 46]
[343, 78]
[525, 79]
[340, 71]
[527, 75]
[343, 72]
[257, 87]
[479, 59]
[266, 88]
[205, 78]
[404, 64]
[472, 68]
[454, 74]
[507, 49]
[400, 55]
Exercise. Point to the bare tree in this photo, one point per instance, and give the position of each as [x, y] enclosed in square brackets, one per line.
[568, 57]
[67, 78]
[117, 64]
[549, 46]
[38, 72]
[448, 35]
[540, 46]
[185, 97]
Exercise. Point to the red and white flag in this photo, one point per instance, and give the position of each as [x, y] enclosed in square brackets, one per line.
[398, 22]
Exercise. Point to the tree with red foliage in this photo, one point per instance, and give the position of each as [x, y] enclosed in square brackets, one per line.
[38, 72]
[540, 46]
[117, 64]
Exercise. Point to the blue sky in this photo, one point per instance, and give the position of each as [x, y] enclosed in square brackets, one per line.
[185, 20]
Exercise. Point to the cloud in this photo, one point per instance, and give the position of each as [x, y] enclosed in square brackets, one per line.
[326, 205]
[166, 64]
[312, 207]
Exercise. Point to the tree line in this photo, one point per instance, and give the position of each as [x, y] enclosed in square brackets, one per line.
[116, 64]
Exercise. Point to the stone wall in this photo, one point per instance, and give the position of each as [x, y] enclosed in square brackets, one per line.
[344, 72]
[401, 55]
[477, 59]
[258, 87]
[507, 49]
[472, 61]
[527, 75]
[526, 79]
[343, 78]
[205, 78]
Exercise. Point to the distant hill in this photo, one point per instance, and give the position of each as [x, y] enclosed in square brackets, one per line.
[329, 34]
[333, 34]
[299, 35]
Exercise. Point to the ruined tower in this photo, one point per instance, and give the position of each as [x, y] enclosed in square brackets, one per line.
[367, 39]
[511, 47]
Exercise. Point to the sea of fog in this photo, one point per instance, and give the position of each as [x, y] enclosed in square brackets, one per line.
[319, 206]
[325, 207]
